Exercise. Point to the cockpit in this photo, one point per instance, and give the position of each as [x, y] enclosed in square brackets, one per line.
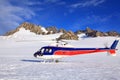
[44, 51]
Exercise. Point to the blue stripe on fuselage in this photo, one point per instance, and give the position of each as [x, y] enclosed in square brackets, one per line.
[67, 49]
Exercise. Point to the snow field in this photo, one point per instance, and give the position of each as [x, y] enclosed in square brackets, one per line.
[17, 61]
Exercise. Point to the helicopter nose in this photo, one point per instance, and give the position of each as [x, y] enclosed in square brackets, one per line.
[37, 54]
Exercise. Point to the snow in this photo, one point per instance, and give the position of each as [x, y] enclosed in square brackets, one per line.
[26, 35]
[17, 61]
[44, 30]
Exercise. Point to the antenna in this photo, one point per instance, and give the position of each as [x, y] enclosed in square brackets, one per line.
[106, 45]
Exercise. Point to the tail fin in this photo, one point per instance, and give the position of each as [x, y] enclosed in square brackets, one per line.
[112, 49]
[113, 46]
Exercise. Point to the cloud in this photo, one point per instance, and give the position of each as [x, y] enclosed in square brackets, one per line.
[12, 13]
[51, 1]
[54, 2]
[87, 3]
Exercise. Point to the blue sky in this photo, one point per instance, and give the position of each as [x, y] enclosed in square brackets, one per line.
[103, 15]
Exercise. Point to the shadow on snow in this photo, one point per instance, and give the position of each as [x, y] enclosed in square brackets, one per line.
[26, 60]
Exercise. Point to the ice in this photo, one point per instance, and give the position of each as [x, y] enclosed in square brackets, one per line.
[17, 61]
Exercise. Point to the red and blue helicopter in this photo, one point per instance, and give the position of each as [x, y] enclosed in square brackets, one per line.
[55, 52]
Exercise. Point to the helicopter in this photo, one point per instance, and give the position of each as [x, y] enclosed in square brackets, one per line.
[55, 52]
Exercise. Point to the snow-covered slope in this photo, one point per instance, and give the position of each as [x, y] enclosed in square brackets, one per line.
[26, 35]
[17, 61]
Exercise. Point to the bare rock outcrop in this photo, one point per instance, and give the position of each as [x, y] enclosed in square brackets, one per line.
[79, 32]
[93, 33]
[11, 32]
[68, 36]
[52, 30]
[113, 33]
[62, 31]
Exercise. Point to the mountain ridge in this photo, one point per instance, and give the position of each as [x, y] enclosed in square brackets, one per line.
[39, 30]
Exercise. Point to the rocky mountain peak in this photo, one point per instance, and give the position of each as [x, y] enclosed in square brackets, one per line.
[28, 26]
[68, 36]
[88, 30]
[94, 33]
[32, 27]
[62, 31]
[52, 30]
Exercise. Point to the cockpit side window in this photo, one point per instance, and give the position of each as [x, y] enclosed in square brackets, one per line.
[48, 50]
[42, 50]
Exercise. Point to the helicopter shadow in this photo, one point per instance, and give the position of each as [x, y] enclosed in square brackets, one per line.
[29, 60]
[41, 61]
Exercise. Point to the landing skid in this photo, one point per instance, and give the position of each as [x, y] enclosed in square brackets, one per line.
[50, 61]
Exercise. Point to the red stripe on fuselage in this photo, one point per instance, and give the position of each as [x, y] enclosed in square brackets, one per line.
[76, 52]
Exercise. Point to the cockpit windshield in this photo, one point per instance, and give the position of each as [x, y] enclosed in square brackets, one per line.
[44, 51]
